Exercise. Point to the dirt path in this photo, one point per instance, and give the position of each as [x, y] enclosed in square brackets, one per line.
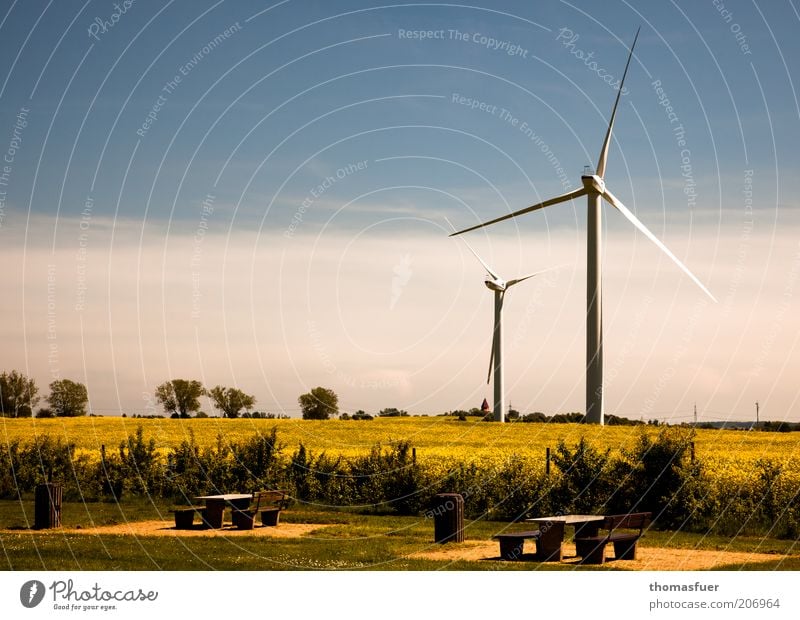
[167, 528]
[649, 558]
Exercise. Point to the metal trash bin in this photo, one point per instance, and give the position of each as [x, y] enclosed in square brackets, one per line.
[47, 506]
[448, 517]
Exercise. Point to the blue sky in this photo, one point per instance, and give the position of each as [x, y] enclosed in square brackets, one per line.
[275, 219]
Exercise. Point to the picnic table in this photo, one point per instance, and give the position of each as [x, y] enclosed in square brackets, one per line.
[550, 542]
[216, 504]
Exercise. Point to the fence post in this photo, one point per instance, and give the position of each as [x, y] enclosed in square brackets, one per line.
[692, 445]
[547, 463]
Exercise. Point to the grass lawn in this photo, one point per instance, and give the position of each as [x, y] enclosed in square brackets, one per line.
[352, 540]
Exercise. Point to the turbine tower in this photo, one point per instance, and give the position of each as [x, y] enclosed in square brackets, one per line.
[495, 283]
[594, 188]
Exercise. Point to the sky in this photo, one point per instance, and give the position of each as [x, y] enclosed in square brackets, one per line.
[256, 194]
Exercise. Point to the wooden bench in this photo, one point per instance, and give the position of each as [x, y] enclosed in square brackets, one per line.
[511, 543]
[268, 503]
[184, 516]
[592, 549]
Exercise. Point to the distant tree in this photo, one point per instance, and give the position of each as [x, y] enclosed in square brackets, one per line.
[392, 412]
[18, 395]
[68, 398]
[536, 416]
[180, 397]
[568, 418]
[615, 420]
[231, 401]
[319, 404]
[44, 412]
[513, 414]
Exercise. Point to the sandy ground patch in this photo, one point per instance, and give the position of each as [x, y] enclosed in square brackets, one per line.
[167, 528]
[649, 558]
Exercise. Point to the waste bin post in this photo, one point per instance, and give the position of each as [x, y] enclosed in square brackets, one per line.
[47, 506]
[448, 517]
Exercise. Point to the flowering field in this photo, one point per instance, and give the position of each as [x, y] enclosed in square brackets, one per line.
[432, 436]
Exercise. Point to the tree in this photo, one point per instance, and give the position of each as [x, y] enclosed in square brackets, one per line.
[180, 397]
[231, 401]
[319, 404]
[68, 398]
[392, 412]
[18, 395]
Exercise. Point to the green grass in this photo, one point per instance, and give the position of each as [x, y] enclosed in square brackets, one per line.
[353, 541]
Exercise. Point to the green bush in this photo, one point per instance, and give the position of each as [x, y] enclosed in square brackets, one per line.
[140, 466]
[9, 464]
[390, 477]
[256, 461]
[44, 460]
[585, 484]
[656, 476]
[518, 490]
[185, 474]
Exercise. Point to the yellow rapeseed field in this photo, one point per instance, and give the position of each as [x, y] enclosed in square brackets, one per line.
[433, 437]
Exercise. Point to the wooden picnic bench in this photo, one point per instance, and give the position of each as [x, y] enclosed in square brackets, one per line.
[592, 549]
[512, 543]
[184, 516]
[268, 503]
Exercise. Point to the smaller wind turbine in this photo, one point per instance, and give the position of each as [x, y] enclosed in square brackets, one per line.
[495, 283]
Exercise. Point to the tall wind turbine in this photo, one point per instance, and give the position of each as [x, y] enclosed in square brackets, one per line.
[495, 283]
[594, 188]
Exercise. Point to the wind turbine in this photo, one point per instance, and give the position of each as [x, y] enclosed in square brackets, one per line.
[495, 283]
[594, 188]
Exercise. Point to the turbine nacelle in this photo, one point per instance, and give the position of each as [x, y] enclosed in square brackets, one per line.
[495, 285]
[593, 184]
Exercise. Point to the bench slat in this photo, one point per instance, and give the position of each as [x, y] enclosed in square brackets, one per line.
[523, 535]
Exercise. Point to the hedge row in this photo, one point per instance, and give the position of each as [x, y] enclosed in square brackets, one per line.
[656, 475]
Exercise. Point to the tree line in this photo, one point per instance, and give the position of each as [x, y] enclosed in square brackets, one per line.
[180, 398]
[19, 397]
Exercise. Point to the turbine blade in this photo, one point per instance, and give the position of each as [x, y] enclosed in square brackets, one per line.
[635, 221]
[511, 283]
[601, 163]
[475, 254]
[541, 205]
